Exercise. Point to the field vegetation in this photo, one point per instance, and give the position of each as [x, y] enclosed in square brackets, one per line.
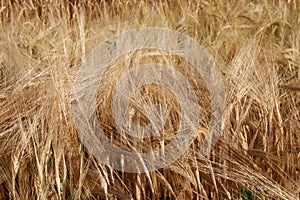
[256, 47]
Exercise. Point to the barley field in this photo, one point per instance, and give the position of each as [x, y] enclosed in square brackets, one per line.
[255, 46]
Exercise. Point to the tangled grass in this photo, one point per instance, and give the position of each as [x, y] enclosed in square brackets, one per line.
[255, 46]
